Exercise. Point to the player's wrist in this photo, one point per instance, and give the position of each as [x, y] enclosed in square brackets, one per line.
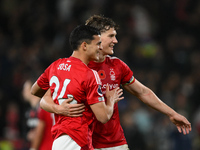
[171, 113]
[56, 109]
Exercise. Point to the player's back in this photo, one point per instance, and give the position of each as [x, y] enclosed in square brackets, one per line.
[70, 77]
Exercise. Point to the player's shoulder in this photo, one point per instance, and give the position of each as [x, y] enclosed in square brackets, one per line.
[62, 60]
[59, 60]
[113, 59]
[68, 61]
[91, 72]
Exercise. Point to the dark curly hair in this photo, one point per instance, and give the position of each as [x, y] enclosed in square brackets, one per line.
[102, 23]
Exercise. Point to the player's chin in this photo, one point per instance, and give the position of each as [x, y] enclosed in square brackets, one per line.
[111, 52]
[97, 57]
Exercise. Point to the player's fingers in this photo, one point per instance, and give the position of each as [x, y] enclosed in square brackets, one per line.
[187, 130]
[77, 110]
[107, 87]
[120, 94]
[184, 131]
[119, 99]
[76, 113]
[77, 106]
[179, 129]
[68, 100]
[119, 90]
[189, 126]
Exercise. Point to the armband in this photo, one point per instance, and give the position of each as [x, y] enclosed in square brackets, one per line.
[130, 81]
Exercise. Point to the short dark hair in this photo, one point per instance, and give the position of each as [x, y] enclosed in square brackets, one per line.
[82, 33]
[102, 23]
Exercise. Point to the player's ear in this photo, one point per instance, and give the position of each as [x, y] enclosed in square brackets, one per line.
[84, 45]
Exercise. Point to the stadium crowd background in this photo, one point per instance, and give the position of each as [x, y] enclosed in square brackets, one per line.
[158, 39]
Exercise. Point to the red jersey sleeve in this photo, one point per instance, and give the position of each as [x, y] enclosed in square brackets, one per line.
[94, 93]
[43, 80]
[127, 74]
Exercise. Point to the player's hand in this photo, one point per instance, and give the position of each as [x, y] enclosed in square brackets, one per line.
[182, 124]
[71, 110]
[114, 94]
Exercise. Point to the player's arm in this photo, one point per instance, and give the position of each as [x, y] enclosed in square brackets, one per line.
[148, 97]
[66, 109]
[37, 90]
[39, 131]
[103, 111]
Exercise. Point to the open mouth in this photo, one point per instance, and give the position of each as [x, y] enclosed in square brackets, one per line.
[111, 46]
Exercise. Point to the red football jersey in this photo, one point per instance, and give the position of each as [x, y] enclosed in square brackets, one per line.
[47, 139]
[115, 72]
[70, 77]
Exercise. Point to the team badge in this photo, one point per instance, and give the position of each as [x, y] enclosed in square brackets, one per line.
[112, 74]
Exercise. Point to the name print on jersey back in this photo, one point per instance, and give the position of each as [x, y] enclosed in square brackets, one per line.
[70, 77]
[65, 67]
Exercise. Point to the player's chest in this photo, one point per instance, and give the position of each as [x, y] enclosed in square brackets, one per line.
[110, 75]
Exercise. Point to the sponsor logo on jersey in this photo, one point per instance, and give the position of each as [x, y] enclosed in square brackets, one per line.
[111, 86]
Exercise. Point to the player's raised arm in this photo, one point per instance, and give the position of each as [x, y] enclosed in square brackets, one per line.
[147, 96]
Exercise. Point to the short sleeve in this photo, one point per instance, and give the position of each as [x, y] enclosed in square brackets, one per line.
[94, 93]
[43, 80]
[127, 74]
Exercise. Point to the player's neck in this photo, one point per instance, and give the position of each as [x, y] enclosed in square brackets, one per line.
[101, 58]
[80, 56]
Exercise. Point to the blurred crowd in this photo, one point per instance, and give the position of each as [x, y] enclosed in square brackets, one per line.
[159, 40]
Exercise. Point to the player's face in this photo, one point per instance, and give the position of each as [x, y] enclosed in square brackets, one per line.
[94, 48]
[108, 40]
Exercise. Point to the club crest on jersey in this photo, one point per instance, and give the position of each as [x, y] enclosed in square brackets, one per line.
[102, 74]
[112, 74]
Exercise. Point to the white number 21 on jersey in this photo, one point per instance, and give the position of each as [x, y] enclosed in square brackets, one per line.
[55, 80]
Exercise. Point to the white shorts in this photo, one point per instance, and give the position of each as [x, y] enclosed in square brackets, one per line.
[121, 147]
[65, 142]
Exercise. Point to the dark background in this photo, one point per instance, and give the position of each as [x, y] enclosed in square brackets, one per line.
[158, 39]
